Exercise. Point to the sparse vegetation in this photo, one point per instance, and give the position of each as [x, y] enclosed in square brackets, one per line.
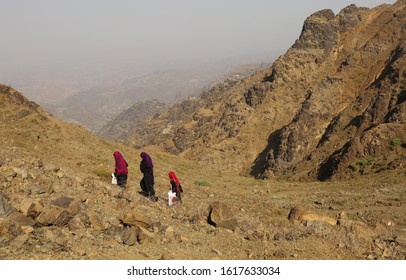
[103, 173]
[362, 163]
[396, 198]
[380, 165]
[396, 142]
[365, 161]
[201, 183]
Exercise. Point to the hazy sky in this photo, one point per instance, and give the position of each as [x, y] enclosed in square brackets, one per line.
[38, 34]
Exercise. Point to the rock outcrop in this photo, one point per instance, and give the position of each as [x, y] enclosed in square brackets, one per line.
[332, 106]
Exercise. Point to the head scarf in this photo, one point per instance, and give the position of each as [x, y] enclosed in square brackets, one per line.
[121, 164]
[148, 161]
[172, 177]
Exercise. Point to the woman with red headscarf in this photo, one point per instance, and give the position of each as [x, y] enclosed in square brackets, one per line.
[175, 185]
[120, 171]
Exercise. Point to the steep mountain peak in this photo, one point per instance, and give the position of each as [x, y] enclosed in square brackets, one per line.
[320, 31]
[300, 117]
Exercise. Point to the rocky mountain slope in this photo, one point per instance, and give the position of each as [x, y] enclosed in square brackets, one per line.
[333, 106]
[104, 98]
[119, 127]
[125, 124]
[56, 202]
[96, 106]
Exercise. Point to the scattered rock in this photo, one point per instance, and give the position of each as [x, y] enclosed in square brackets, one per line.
[169, 232]
[19, 240]
[58, 212]
[220, 215]
[78, 250]
[166, 256]
[112, 190]
[60, 174]
[9, 228]
[342, 216]
[128, 193]
[184, 239]
[360, 229]
[143, 235]
[157, 227]
[218, 252]
[300, 214]
[129, 236]
[21, 219]
[136, 219]
[31, 207]
[76, 224]
[281, 254]
[96, 222]
[5, 208]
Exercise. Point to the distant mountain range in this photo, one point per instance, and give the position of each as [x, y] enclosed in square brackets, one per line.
[104, 98]
[124, 123]
[333, 106]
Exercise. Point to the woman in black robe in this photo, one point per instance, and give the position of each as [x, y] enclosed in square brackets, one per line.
[147, 182]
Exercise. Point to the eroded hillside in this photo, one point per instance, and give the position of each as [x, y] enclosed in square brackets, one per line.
[56, 202]
[345, 116]
[332, 106]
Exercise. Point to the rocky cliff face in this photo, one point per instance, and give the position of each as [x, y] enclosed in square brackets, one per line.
[332, 106]
[343, 126]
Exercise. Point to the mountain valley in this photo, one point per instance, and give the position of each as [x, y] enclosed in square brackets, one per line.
[303, 160]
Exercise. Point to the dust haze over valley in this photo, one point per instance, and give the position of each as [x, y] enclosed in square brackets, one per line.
[65, 56]
[296, 150]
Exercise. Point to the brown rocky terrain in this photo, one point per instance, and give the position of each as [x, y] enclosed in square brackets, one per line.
[127, 122]
[56, 200]
[332, 106]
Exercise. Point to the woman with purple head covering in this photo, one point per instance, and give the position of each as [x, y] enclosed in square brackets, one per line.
[147, 181]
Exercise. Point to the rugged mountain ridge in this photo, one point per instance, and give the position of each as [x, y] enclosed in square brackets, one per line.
[56, 202]
[125, 124]
[333, 106]
[103, 98]
[364, 70]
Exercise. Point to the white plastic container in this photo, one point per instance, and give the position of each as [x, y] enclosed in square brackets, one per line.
[113, 179]
[171, 198]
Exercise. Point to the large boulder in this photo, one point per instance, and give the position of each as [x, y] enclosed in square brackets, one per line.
[220, 215]
[76, 224]
[58, 212]
[96, 222]
[136, 219]
[137, 234]
[31, 207]
[300, 214]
